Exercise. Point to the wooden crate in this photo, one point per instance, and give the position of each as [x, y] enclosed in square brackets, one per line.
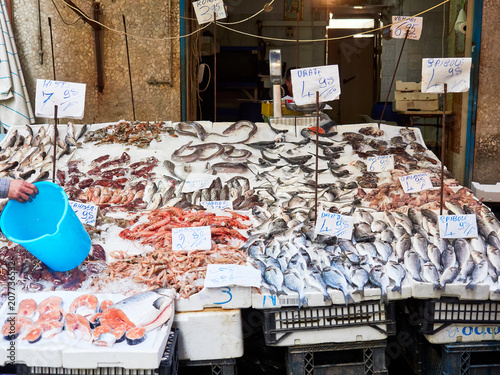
[416, 105]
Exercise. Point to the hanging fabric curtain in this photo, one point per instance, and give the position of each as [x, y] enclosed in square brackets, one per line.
[15, 107]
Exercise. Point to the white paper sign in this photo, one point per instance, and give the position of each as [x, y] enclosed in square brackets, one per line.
[68, 96]
[87, 213]
[455, 72]
[217, 205]
[197, 181]
[415, 182]
[380, 163]
[306, 81]
[401, 24]
[457, 226]
[334, 225]
[205, 10]
[231, 274]
[192, 238]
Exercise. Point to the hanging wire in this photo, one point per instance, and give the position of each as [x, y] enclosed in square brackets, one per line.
[62, 19]
[249, 18]
[328, 39]
[224, 25]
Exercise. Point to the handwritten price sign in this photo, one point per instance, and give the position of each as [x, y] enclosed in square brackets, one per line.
[197, 181]
[401, 24]
[68, 96]
[87, 213]
[205, 10]
[455, 72]
[334, 225]
[192, 238]
[415, 182]
[217, 205]
[324, 79]
[219, 275]
[457, 226]
[380, 163]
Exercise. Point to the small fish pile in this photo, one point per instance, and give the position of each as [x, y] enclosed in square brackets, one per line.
[139, 134]
[30, 157]
[102, 324]
[33, 276]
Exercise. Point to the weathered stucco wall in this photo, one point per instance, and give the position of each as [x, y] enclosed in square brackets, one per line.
[486, 163]
[154, 59]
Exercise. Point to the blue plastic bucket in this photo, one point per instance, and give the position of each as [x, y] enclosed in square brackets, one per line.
[48, 228]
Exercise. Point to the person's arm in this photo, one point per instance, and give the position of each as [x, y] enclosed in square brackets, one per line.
[19, 190]
[4, 187]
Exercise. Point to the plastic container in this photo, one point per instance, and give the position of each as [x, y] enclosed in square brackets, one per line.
[347, 358]
[364, 321]
[48, 228]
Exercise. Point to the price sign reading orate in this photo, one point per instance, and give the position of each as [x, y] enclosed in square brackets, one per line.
[306, 81]
[380, 163]
[455, 72]
[205, 10]
[334, 225]
[192, 238]
[87, 213]
[415, 182]
[401, 24]
[457, 226]
[68, 96]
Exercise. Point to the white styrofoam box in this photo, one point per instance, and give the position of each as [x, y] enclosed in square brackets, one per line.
[227, 297]
[264, 299]
[209, 334]
[488, 193]
[465, 333]
[67, 352]
[426, 291]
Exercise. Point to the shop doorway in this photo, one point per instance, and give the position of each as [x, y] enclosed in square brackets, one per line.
[358, 67]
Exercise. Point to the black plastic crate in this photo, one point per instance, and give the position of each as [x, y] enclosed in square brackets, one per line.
[208, 367]
[437, 314]
[462, 359]
[169, 364]
[337, 359]
[279, 323]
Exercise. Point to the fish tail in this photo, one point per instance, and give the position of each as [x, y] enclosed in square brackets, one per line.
[397, 288]
[348, 298]
[470, 286]
[383, 298]
[327, 298]
[303, 302]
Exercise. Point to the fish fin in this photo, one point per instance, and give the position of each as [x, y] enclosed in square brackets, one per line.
[397, 289]
[157, 303]
[303, 302]
[383, 298]
[348, 298]
[327, 298]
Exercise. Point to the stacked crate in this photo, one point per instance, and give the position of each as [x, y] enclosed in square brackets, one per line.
[409, 98]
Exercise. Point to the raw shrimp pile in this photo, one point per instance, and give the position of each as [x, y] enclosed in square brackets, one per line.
[179, 269]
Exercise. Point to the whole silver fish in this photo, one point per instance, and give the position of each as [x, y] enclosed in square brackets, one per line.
[494, 257]
[396, 273]
[379, 278]
[366, 248]
[494, 240]
[241, 124]
[274, 277]
[434, 256]
[431, 275]
[387, 235]
[419, 245]
[448, 276]
[314, 279]
[462, 250]
[335, 279]
[359, 278]
[273, 248]
[479, 274]
[412, 264]
[448, 258]
[293, 280]
[466, 270]
[384, 249]
[403, 244]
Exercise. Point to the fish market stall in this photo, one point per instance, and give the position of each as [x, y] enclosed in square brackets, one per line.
[255, 187]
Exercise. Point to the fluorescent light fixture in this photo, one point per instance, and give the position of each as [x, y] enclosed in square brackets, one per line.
[352, 23]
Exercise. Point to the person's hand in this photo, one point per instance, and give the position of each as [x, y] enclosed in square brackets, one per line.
[21, 191]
